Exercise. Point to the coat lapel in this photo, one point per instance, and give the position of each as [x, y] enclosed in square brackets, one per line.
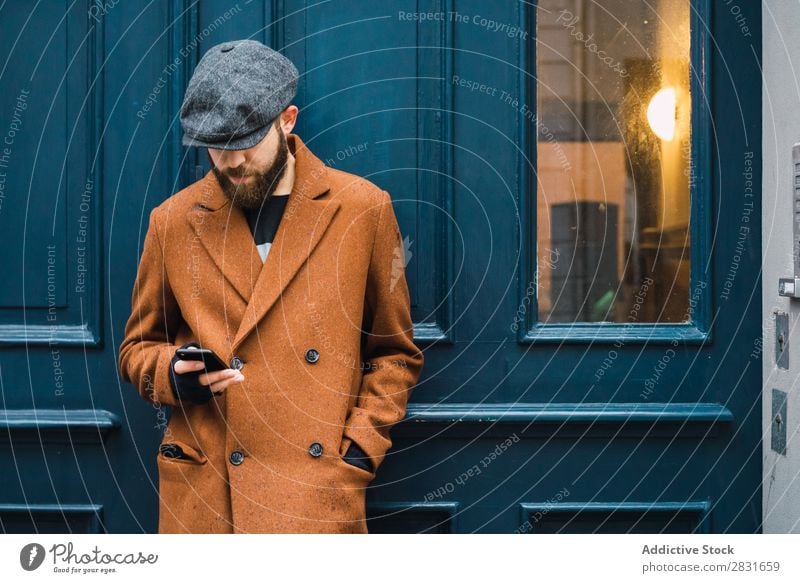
[224, 232]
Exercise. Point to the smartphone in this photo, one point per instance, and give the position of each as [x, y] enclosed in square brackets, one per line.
[206, 355]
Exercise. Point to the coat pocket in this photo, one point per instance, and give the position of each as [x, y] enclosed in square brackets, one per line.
[361, 475]
[180, 452]
[191, 493]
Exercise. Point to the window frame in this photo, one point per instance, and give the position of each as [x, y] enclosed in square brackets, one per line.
[698, 329]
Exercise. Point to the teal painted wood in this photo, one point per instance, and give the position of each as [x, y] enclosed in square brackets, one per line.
[51, 518]
[588, 452]
[566, 420]
[89, 425]
[412, 517]
[618, 413]
[58, 155]
[611, 518]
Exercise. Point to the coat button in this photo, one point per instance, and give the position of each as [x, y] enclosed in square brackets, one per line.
[315, 449]
[237, 363]
[237, 458]
[312, 355]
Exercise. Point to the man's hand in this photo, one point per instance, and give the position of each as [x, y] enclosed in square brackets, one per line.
[216, 381]
[200, 388]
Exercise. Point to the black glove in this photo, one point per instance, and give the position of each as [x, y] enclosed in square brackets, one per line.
[187, 386]
[355, 456]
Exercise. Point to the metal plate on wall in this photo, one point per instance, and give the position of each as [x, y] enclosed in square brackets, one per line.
[779, 421]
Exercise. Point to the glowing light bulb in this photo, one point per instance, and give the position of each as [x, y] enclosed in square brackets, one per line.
[661, 113]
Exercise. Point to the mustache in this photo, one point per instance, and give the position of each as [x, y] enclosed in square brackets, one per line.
[237, 173]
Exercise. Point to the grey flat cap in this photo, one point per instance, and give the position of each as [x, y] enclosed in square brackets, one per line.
[236, 91]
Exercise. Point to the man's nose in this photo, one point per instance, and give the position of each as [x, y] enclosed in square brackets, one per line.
[232, 159]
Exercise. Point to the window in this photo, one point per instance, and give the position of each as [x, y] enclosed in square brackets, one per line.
[614, 170]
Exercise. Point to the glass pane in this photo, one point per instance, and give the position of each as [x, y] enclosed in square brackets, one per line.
[614, 164]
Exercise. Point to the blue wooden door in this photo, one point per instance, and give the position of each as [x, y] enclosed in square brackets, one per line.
[577, 185]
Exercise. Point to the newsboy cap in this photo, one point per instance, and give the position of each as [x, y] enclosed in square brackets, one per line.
[236, 91]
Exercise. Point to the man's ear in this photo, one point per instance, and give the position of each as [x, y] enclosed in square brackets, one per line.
[288, 118]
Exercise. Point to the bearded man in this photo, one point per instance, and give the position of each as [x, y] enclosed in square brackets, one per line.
[289, 276]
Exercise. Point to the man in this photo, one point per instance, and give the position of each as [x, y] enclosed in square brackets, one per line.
[292, 273]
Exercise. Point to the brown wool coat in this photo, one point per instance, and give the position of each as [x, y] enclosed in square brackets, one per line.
[333, 281]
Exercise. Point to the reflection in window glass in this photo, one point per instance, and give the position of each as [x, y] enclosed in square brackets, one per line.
[613, 160]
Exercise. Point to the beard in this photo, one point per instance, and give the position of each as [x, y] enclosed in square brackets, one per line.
[261, 187]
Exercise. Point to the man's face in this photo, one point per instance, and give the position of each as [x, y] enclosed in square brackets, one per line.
[249, 177]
